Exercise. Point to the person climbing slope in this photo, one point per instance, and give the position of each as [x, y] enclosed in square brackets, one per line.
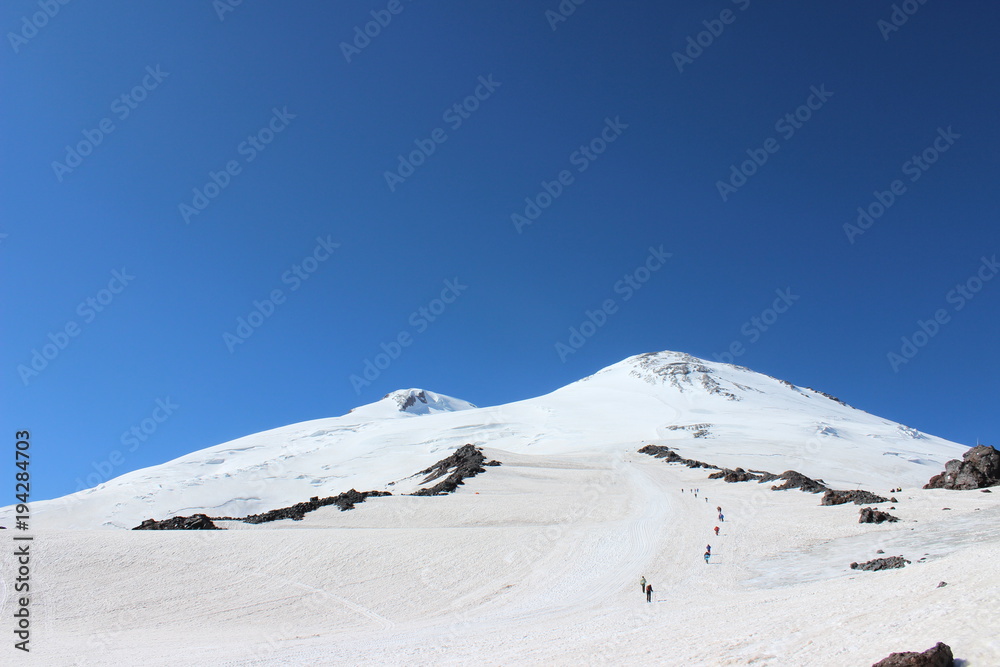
[642, 584]
[707, 556]
[649, 593]
[716, 530]
[708, 549]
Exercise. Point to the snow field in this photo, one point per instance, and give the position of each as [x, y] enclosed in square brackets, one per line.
[533, 562]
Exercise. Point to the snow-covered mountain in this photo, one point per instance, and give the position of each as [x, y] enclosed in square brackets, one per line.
[533, 561]
[724, 414]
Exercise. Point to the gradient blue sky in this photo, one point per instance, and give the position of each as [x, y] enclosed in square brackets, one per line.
[323, 176]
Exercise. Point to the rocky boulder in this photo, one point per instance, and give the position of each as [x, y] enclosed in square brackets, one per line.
[978, 468]
[856, 496]
[938, 655]
[871, 515]
[733, 476]
[193, 522]
[796, 480]
[890, 563]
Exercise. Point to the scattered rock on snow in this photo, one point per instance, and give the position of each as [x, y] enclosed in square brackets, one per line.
[942, 584]
[345, 501]
[467, 461]
[732, 476]
[796, 480]
[671, 456]
[872, 515]
[978, 468]
[937, 656]
[194, 522]
[857, 496]
[877, 564]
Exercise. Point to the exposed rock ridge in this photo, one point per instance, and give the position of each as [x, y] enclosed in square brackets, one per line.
[978, 469]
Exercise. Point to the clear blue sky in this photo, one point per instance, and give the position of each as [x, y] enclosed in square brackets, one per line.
[309, 128]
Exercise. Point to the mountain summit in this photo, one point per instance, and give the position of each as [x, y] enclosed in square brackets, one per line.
[410, 402]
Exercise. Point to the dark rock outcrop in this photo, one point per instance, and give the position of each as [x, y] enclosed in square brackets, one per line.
[832, 398]
[856, 496]
[345, 501]
[938, 655]
[733, 476]
[193, 522]
[978, 468]
[890, 563]
[671, 456]
[871, 515]
[467, 461]
[796, 480]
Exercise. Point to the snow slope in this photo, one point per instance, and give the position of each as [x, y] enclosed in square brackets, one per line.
[723, 414]
[533, 563]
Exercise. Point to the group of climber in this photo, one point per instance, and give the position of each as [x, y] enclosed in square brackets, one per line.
[647, 588]
[708, 548]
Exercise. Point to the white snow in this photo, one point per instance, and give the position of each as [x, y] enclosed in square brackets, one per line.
[536, 561]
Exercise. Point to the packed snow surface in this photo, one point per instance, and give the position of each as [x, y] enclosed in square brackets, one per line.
[536, 561]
